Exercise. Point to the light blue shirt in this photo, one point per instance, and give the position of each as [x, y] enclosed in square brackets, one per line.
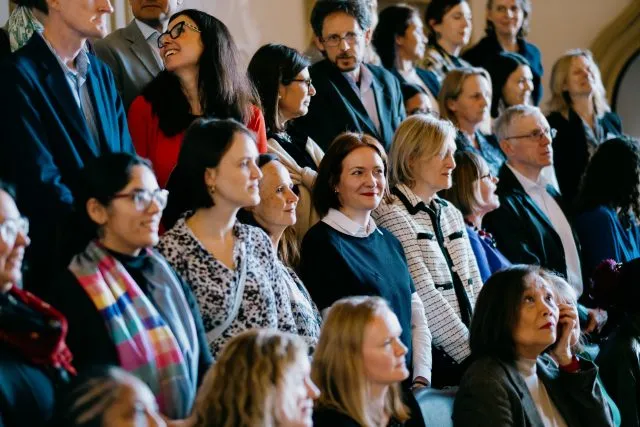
[151, 36]
[365, 93]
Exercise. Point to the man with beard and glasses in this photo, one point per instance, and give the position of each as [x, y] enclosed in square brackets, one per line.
[350, 95]
[132, 52]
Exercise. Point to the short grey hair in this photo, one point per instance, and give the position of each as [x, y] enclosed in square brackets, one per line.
[503, 122]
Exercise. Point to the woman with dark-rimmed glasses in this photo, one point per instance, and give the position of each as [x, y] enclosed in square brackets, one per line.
[202, 78]
[125, 304]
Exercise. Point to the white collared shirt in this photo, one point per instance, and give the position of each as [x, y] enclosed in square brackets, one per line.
[365, 93]
[547, 204]
[151, 36]
[342, 223]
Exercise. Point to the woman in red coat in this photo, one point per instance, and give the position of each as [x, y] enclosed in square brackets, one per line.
[201, 78]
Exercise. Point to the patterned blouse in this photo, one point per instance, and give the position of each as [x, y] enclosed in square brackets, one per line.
[266, 299]
[438, 61]
[305, 312]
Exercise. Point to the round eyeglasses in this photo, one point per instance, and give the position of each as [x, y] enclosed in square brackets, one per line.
[10, 228]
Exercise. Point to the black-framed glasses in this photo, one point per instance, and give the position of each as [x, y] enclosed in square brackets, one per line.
[308, 82]
[537, 134]
[10, 228]
[487, 175]
[175, 32]
[142, 198]
[334, 39]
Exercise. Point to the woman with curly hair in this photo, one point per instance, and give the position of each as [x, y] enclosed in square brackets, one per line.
[261, 379]
[608, 204]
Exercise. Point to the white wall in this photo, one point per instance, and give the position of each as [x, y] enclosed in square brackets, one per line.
[4, 12]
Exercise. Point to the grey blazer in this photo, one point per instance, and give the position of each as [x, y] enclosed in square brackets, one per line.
[493, 393]
[130, 58]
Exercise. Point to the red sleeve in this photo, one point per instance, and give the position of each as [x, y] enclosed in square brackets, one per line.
[139, 119]
[256, 124]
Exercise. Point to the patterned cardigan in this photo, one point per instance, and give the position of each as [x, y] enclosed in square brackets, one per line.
[407, 217]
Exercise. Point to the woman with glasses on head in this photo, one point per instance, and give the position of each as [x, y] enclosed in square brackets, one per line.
[232, 267]
[125, 304]
[34, 357]
[465, 100]
[433, 237]
[580, 113]
[202, 78]
[474, 193]
[281, 76]
[506, 31]
[449, 29]
[400, 41]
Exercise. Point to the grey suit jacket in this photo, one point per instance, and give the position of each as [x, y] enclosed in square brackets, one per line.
[130, 58]
[493, 393]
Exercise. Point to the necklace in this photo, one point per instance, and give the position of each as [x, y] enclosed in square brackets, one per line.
[484, 235]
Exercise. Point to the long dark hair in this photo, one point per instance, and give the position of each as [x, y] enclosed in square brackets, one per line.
[205, 143]
[612, 179]
[270, 66]
[393, 21]
[223, 87]
[435, 11]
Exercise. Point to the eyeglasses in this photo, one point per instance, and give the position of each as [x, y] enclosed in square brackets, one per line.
[334, 40]
[308, 82]
[176, 32]
[537, 134]
[142, 198]
[10, 228]
[487, 175]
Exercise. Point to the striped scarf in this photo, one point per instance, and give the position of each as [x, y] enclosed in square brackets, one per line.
[146, 346]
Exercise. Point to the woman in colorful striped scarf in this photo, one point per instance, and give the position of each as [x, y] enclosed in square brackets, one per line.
[125, 305]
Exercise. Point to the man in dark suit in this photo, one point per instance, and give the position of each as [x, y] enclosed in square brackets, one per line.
[531, 226]
[350, 95]
[60, 108]
[132, 52]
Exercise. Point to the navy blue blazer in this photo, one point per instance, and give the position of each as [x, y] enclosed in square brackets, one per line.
[429, 79]
[336, 108]
[488, 48]
[45, 138]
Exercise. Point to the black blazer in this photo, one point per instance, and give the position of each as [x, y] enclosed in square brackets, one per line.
[429, 79]
[522, 231]
[45, 138]
[493, 393]
[570, 153]
[5, 47]
[482, 54]
[336, 108]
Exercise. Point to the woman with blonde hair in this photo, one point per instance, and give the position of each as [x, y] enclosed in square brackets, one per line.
[433, 235]
[261, 379]
[579, 111]
[465, 100]
[359, 364]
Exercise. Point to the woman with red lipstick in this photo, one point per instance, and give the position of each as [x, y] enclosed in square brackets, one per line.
[34, 358]
[512, 381]
[346, 254]
[580, 113]
[433, 236]
[465, 100]
[231, 267]
[125, 304]
[202, 78]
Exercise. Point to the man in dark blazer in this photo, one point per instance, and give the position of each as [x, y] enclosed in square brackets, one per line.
[350, 95]
[60, 108]
[530, 226]
[132, 52]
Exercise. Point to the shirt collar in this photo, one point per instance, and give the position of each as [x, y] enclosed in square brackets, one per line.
[412, 202]
[82, 62]
[146, 30]
[366, 78]
[526, 183]
[339, 221]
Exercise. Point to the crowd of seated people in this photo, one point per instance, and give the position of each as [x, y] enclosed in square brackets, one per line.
[185, 242]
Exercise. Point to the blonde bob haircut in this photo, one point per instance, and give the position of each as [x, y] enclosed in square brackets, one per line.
[416, 137]
[338, 362]
[560, 100]
[242, 389]
[452, 88]
[464, 194]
